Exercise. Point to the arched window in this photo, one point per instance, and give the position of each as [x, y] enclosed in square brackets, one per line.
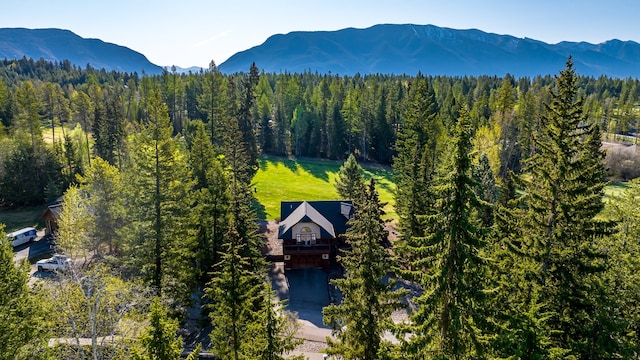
[306, 236]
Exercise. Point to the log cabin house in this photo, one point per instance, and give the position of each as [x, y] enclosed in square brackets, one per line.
[52, 216]
[311, 231]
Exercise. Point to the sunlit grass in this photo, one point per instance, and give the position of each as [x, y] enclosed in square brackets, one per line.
[282, 179]
[15, 219]
[614, 189]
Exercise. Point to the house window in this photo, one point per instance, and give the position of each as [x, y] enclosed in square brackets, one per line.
[306, 237]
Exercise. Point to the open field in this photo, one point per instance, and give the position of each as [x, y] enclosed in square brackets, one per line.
[19, 218]
[284, 179]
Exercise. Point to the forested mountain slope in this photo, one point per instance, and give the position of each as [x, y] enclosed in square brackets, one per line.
[409, 49]
[59, 45]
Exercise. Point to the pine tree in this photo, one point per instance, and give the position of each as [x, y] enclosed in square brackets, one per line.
[368, 295]
[485, 190]
[160, 340]
[245, 118]
[21, 314]
[158, 240]
[449, 265]
[233, 293]
[27, 115]
[623, 272]
[278, 329]
[212, 103]
[418, 151]
[561, 234]
[236, 292]
[211, 199]
[350, 181]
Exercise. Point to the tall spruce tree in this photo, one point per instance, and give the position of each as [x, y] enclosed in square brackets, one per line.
[102, 187]
[211, 199]
[237, 290]
[158, 196]
[418, 151]
[279, 329]
[213, 102]
[448, 264]
[368, 295]
[246, 121]
[485, 190]
[560, 231]
[160, 340]
[234, 292]
[350, 181]
[623, 272]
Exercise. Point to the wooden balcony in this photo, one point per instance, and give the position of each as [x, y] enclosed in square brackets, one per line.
[317, 246]
[301, 248]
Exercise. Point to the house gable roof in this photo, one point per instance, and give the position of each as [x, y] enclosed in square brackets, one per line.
[54, 209]
[331, 216]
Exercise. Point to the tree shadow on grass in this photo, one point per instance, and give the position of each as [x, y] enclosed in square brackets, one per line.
[259, 208]
[319, 168]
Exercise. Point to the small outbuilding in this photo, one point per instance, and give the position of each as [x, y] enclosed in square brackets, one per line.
[52, 217]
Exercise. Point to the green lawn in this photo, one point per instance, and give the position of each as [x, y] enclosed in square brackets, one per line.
[16, 219]
[282, 179]
[615, 189]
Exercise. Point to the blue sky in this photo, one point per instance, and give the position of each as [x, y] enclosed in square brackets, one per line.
[192, 33]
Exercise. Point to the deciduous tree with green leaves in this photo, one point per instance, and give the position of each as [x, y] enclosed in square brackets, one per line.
[22, 316]
[101, 190]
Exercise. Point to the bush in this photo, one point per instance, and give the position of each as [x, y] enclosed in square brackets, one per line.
[623, 163]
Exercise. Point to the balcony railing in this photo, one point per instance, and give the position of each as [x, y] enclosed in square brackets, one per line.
[306, 248]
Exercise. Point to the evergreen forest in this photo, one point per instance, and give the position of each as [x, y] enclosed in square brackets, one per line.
[507, 246]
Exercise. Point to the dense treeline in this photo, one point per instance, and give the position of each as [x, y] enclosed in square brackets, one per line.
[285, 114]
[505, 246]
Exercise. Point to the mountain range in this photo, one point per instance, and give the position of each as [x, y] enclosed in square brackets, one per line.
[384, 49]
[409, 49]
[56, 45]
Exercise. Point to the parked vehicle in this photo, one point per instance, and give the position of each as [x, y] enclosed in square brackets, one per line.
[22, 236]
[57, 262]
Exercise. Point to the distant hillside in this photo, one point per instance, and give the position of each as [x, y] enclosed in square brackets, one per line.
[408, 49]
[58, 45]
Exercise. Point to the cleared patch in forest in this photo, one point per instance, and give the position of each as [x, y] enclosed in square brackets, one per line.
[287, 179]
[15, 219]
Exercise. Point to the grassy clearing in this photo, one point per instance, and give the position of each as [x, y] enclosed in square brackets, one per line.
[283, 179]
[615, 189]
[15, 219]
[47, 133]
